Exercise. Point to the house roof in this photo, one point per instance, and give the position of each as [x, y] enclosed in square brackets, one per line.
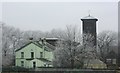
[42, 59]
[23, 46]
[93, 61]
[48, 46]
[51, 38]
[89, 17]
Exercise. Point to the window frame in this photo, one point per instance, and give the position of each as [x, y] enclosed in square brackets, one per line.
[41, 54]
[32, 54]
[22, 54]
[22, 63]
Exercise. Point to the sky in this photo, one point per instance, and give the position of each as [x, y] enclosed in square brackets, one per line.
[59, 0]
[45, 16]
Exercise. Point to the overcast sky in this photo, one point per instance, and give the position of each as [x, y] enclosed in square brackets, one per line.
[46, 16]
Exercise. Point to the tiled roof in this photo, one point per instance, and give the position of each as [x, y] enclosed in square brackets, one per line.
[48, 47]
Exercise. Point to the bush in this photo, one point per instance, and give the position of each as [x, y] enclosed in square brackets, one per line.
[14, 69]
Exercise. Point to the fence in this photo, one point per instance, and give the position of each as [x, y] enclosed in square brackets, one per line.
[57, 70]
[68, 71]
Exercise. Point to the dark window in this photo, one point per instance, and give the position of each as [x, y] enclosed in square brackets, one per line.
[34, 64]
[22, 54]
[48, 65]
[22, 63]
[32, 54]
[44, 65]
[41, 54]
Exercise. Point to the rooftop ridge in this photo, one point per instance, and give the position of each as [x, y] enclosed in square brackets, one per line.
[89, 17]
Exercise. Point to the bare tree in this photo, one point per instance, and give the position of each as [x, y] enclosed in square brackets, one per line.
[105, 40]
[67, 47]
[71, 52]
[87, 50]
[6, 39]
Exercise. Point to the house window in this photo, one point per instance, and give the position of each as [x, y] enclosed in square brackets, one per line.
[44, 65]
[34, 64]
[48, 65]
[32, 54]
[22, 63]
[22, 54]
[41, 54]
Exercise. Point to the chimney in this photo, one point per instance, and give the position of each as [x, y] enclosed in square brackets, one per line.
[40, 40]
[30, 39]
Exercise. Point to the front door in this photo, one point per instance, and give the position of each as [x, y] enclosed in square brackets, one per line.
[34, 64]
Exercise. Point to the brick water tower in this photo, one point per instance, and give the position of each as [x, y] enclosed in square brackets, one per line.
[89, 27]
